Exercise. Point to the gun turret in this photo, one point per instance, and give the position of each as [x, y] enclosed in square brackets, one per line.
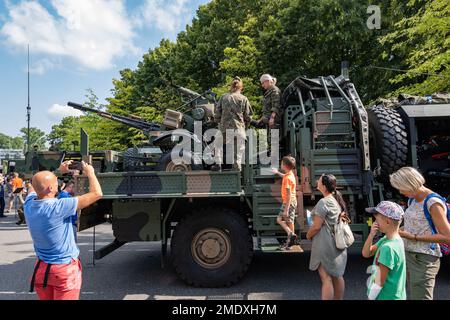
[134, 122]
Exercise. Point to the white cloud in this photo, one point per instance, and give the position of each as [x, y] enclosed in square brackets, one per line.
[91, 32]
[57, 112]
[168, 16]
[41, 66]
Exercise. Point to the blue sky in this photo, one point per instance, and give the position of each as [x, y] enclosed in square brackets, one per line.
[75, 45]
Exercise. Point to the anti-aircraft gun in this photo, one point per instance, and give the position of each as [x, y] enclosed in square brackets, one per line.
[135, 159]
[197, 107]
[165, 136]
[132, 121]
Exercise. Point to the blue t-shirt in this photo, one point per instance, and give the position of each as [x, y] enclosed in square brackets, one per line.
[50, 225]
[63, 195]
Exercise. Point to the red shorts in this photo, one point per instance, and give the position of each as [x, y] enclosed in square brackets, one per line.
[63, 283]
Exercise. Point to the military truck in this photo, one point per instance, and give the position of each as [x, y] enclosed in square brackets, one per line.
[214, 221]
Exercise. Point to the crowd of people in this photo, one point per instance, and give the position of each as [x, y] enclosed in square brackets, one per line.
[12, 191]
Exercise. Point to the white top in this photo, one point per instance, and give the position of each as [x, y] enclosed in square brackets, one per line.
[416, 223]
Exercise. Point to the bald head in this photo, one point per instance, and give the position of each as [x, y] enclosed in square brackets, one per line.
[45, 183]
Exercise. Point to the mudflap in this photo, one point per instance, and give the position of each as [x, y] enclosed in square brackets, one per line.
[94, 215]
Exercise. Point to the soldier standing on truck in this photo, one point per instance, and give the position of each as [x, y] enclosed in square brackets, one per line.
[271, 118]
[233, 112]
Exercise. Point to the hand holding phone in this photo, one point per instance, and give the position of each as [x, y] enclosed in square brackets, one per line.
[76, 165]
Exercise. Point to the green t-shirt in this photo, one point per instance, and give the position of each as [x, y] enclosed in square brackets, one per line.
[391, 253]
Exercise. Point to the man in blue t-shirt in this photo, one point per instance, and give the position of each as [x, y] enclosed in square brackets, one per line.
[57, 273]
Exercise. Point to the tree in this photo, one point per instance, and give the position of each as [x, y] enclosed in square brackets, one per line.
[7, 142]
[38, 138]
[421, 41]
[66, 135]
[286, 38]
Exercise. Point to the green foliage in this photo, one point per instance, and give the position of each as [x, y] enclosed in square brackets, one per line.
[422, 41]
[102, 133]
[37, 138]
[7, 142]
[286, 38]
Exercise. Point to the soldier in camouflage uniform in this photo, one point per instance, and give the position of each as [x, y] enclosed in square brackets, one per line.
[233, 112]
[271, 118]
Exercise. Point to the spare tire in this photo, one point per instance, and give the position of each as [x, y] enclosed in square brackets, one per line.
[388, 141]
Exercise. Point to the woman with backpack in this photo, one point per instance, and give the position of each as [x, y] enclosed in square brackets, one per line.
[426, 231]
[326, 258]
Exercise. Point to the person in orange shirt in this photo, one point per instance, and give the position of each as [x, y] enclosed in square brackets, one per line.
[16, 183]
[286, 216]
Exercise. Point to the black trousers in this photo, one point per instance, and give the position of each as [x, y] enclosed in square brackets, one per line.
[2, 206]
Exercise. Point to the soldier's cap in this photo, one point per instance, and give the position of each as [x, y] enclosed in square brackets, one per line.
[388, 209]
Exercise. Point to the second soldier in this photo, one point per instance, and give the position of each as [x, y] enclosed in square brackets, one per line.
[271, 114]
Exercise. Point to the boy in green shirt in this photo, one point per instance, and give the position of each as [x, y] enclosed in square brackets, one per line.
[388, 279]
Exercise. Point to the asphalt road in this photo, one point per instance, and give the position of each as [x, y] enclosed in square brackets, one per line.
[134, 272]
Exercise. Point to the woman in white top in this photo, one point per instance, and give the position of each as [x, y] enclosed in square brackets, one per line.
[421, 244]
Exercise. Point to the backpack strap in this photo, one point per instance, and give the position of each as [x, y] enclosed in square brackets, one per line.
[410, 200]
[428, 215]
[427, 212]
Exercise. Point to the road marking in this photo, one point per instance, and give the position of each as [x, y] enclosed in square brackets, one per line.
[163, 297]
[265, 296]
[136, 297]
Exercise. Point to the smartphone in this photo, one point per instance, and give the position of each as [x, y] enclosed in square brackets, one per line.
[76, 165]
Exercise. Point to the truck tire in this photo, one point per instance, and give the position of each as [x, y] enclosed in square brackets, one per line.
[212, 248]
[388, 141]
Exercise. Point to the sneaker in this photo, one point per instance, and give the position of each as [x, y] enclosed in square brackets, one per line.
[292, 240]
[283, 246]
[20, 222]
[216, 167]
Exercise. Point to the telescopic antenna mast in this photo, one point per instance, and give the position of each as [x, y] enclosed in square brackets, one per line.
[28, 105]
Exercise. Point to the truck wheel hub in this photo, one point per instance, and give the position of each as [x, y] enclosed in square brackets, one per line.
[211, 248]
